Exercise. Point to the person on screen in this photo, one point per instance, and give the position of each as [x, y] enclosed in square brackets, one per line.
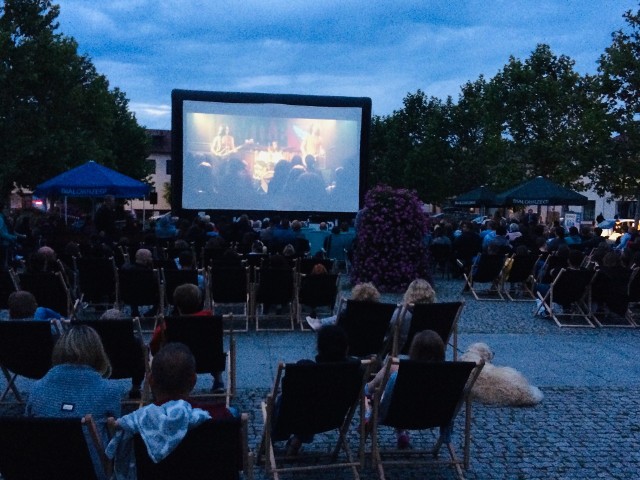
[312, 143]
[223, 143]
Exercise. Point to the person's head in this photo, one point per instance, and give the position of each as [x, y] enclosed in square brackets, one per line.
[319, 269]
[144, 257]
[427, 346]
[296, 225]
[185, 259]
[112, 314]
[22, 304]
[48, 253]
[575, 258]
[187, 299]
[559, 231]
[332, 344]
[365, 292]
[173, 373]
[288, 250]
[514, 227]
[81, 345]
[322, 226]
[419, 291]
[573, 231]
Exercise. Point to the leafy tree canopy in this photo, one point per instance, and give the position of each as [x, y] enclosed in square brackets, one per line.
[56, 111]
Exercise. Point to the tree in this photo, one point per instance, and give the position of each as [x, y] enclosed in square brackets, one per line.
[551, 117]
[56, 111]
[619, 77]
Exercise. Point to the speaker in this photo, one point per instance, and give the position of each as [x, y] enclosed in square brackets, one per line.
[153, 198]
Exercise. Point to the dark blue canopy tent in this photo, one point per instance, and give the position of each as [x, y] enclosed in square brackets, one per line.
[92, 180]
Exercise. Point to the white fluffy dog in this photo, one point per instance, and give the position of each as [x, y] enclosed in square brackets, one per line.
[500, 385]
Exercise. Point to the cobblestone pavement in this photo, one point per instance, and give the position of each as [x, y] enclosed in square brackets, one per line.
[586, 427]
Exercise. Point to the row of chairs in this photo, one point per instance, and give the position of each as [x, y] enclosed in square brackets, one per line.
[426, 395]
[26, 348]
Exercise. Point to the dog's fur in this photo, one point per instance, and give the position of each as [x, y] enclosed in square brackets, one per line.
[500, 385]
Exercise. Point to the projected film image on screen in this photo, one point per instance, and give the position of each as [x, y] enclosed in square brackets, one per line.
[269, 156]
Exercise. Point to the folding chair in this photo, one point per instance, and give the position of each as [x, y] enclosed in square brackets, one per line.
[7, 286]
[50, 290]
[520, 274]
[440, 317]
[610, 292]
[316, 291]
[275, 287]
[140, 287]
[124, 345]
[214, 449]
[337, 247]
[37, 448]
[97, 280]
[25, 350]
[204, 335]
[426, 395]
[308, 399]
[367, 326]
[173, 278]
[230, 286]
[485, 269]
[441, 255]
[570, 290]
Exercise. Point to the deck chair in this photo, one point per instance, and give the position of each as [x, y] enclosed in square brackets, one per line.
[275, 287]
[140, 287]
[7, 286]
[441, 256]
[485, 269]
[426, 395]
[316, 240]
[97, 280]
[50, 290]
[440, 317]
[519, 272]
[229, 288]
[610, 294]
[205, 338]
[25, 350]
[569, 290]
[214, 449]
[308, 399]
[316, 291]
[367, 326]
[36, 448]
[173, 278]
[338, 244]
[123, 344]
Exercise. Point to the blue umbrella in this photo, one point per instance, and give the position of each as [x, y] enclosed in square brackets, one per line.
[92, 180]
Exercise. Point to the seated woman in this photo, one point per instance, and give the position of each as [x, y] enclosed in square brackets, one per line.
[363, 292]
[77, 384]
[427, 346]
[418, 291]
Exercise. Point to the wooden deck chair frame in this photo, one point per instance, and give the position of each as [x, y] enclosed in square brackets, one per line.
[204, 335]
[316, 291]
[205, 452]
[25, 351]
[570, 287]
[273, 287]
[426, 395]
[367, 325]
[601, 317]
[441, 317]
[521, 271]
[300, 395]
[123, 343]
[488, 269]
[41, 448]
[228, 286]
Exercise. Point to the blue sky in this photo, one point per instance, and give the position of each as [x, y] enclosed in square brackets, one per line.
[383, 49]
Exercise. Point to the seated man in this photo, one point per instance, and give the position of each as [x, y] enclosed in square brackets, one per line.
[164, 423]
[187, 299]
[23, 306]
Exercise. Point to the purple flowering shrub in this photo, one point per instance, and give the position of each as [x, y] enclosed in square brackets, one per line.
[390, 251]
